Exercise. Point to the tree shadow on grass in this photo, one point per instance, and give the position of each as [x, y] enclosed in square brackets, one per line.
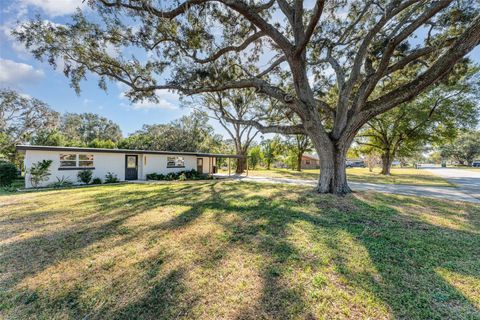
[407, 253]
[404, 251]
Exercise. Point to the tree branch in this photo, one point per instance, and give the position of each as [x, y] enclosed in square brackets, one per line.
[317, 13]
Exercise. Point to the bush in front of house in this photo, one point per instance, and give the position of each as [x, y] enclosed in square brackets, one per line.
[60, 183]
[97, 180]
[39, 172]
[111, 178]
[181, 175]
[84, 176]
[8, 173]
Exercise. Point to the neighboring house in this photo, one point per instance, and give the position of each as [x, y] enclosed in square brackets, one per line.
[310, 161]
[126, 164]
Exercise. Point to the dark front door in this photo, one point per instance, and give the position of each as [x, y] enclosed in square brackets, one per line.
[131, 167]
[200, 165]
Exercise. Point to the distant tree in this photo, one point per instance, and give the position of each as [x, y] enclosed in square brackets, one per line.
[271, 149]
[83, 128]
[463, 149]
[189, 133]
[299, 144]
[105, 144]
[432, 118]
[255, 156]
[20, 118]
[227, 108]
[372, 159]
[49, 138]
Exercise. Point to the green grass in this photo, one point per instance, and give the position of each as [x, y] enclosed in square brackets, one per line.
[236, 250]
[398, 176]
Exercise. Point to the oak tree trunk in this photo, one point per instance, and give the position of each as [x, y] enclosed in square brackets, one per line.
[333, 176]
[299, 161]
[386, 163]
[241, 165]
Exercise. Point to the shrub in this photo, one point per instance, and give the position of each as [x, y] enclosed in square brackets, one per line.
[152, 176]
[8, 173]
[111, 178]
[84, 176]
[97, 181]
[60, 183]
[39, 172]
[181, 175]
[171, 176]
[9, 188]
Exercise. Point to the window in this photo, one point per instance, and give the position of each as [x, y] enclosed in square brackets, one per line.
[175, 162]
[68, 160]
[85, 160]
[307, 161]
[131, 162]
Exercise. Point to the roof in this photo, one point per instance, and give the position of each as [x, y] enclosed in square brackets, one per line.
[104, 150]
[310, 156]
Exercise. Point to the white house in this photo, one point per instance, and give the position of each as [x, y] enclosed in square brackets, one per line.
[126, 164]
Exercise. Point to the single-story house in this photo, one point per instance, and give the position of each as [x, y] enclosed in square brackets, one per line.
[126, 164]
[310, 161]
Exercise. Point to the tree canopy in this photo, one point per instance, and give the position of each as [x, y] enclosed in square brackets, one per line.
[20, 117]
[87, 127]
[334, 64]
[189, 133]
[228, 107]
[464, 149]
[432, 118]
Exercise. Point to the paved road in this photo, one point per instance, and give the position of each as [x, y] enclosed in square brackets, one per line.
[449, 193]
[468, 181]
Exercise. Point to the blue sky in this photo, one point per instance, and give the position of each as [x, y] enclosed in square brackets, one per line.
[20, 71]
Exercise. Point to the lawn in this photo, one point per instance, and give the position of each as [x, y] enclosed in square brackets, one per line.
[398, 176]
[236, 250]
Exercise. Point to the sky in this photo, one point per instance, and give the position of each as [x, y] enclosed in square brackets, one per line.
[20, 71]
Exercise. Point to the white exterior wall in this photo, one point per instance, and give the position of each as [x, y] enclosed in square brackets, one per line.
[102, 162]
[105, 162]
[157, 163]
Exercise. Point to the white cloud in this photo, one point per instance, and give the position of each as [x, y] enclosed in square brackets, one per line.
[55, 8]
[14, 73]
[166, 100]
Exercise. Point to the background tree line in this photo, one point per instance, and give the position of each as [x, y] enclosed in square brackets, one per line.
[28, 120]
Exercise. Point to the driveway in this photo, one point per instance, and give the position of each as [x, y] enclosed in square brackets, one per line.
[455, 194]
[466, 180]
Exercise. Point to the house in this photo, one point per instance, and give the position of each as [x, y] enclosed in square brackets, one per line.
[310, 161]
[126, 164]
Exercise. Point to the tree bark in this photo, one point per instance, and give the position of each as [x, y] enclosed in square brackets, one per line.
[299, 161]
[333, 176]
[241, 164]
[387, 159]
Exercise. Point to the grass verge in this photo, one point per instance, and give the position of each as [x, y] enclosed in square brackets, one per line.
[398, 176]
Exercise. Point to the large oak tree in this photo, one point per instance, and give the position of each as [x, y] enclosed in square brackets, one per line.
[323, 62]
